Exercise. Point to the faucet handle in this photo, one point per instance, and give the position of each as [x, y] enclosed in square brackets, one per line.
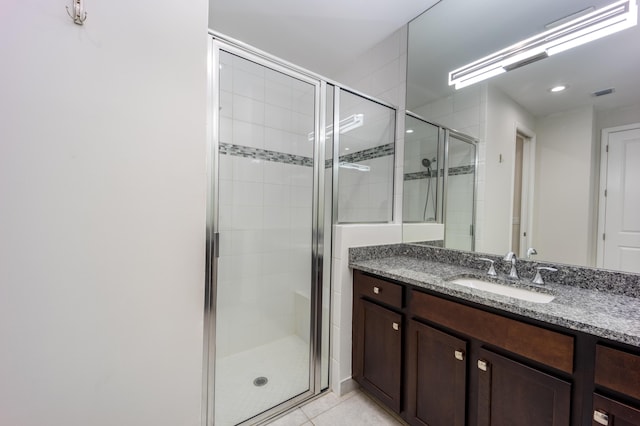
[492, 270]
[530, 252]
[538, 278]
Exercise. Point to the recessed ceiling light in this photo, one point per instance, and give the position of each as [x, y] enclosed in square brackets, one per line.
[559, 88]
[346, 149]
[409, 130]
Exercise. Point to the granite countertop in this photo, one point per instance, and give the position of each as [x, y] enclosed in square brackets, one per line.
[589, 310]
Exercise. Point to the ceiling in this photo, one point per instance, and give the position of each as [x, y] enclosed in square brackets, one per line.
[480, 28]
[324, 37]
[319, 35]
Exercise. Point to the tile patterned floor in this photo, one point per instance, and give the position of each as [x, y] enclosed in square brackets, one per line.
[353, 409]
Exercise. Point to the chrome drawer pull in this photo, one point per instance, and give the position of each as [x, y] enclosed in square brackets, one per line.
[396, 326]
[459, 355]
[376, 290]
[482, 365]
[601, 417]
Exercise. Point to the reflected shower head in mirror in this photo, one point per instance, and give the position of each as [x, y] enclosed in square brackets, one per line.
[427, 163]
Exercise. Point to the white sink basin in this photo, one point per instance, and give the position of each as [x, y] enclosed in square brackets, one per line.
[504, 290]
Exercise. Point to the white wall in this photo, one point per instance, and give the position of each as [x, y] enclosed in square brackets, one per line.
[422, 232]
[380, 72]
[495, 211]
[564, 220]
[102, 189]
[617, 117]
[463, 111]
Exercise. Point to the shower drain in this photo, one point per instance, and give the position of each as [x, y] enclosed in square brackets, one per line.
[260, 381]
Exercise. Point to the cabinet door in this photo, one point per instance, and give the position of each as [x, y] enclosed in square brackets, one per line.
[512, 394]
[377, 356]
[612, 413]
[437, 374]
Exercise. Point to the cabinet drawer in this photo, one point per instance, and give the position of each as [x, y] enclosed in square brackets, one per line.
[377, 289]
[536, 343]
[618, 371]
[611, 412]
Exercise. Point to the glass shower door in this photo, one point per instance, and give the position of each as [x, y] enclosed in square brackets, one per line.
[265, 275]
[460, 191]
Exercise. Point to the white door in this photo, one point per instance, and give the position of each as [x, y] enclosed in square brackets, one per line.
[622, 201]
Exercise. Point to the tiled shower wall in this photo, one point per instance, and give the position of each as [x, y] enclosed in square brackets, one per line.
[265, 202]
[366, 196]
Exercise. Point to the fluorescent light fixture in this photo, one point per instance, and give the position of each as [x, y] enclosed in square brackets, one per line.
[346, 125]
[597, 24]
[570, 17]
[354, 166]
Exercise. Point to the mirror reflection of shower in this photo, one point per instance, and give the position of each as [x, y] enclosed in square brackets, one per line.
[427, 163]
[438, 199]
[423, 173]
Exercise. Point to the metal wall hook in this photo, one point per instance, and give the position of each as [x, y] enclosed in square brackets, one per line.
[79, 15]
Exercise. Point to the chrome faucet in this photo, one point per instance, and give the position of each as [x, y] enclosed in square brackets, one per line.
[531, 252]
[511, 257]
[492, 271]
[538, 278]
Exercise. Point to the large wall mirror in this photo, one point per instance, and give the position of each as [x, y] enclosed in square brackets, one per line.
[542, 163]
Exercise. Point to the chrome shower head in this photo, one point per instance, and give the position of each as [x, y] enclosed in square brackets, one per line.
[427, 163]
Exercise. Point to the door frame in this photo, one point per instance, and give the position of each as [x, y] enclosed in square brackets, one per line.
[216, 43]
[602, 199]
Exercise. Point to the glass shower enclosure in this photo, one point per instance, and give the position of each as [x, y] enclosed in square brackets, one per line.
[289, 154]
[267, 282]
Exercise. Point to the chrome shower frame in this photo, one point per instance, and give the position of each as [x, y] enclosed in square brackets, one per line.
[219, 43]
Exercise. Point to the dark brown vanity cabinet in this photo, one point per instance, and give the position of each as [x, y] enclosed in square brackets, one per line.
[459, 381]
[513, 394]
[617, 371]
[442, 363]
[377, 338]
[609, 412]
[436, 376]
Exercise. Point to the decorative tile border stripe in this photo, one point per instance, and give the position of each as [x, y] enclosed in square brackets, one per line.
[265, 154]
[299, 160]
[454, 171]
[419, 175]
[461, 170]
[369, 154]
